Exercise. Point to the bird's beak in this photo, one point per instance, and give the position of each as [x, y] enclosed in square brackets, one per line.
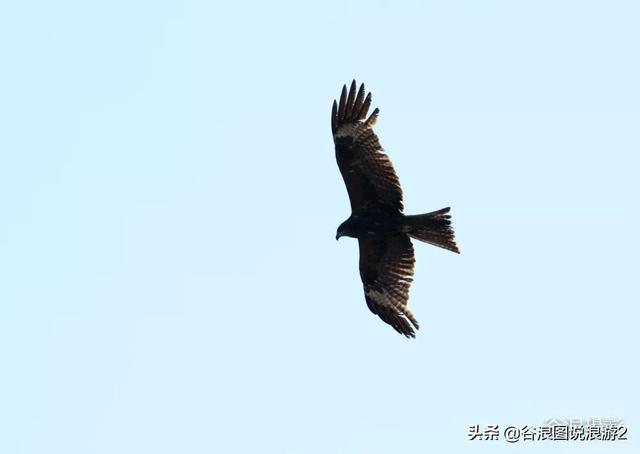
[338, 236]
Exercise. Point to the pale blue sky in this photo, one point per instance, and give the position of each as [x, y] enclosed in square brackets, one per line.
[170, 281]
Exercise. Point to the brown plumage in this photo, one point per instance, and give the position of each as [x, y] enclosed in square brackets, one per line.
[384, 233]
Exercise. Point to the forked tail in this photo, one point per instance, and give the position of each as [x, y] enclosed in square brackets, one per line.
[433, 228]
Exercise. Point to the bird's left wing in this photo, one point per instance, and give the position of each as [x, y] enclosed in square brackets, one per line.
[367, 171]
[386, 269]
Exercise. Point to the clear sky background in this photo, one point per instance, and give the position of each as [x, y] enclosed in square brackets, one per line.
[170, 279]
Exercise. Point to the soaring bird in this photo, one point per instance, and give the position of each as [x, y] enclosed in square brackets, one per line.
[384, 233]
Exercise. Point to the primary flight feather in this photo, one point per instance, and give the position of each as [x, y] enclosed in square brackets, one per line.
[384, 233]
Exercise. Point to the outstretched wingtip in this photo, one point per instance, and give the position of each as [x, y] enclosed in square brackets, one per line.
[343, 102]
[407, 330]
[350, 100]
[371, 121]
[357, 105]
[402, 324]
[334, 117]
[365, 107]
[353, 106]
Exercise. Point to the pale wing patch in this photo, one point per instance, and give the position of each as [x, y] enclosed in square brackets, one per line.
[387, 300]
[347, 130]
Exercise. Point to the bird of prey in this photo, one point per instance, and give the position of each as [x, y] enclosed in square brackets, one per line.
[384, 233]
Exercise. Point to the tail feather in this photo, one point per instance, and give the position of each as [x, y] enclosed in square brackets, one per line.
[433, 228]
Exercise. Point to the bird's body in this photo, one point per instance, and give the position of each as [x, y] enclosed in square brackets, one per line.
[357, 226]
[384, 233]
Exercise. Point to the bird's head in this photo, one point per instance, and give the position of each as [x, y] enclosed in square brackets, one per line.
[343, 230]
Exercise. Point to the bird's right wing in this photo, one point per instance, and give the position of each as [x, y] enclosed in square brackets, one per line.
[386, 269]
[367, 171]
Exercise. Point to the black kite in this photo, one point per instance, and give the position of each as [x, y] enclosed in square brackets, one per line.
[384, 233]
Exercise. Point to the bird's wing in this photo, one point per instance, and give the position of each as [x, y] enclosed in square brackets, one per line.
[371, 181]
[386, 269]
